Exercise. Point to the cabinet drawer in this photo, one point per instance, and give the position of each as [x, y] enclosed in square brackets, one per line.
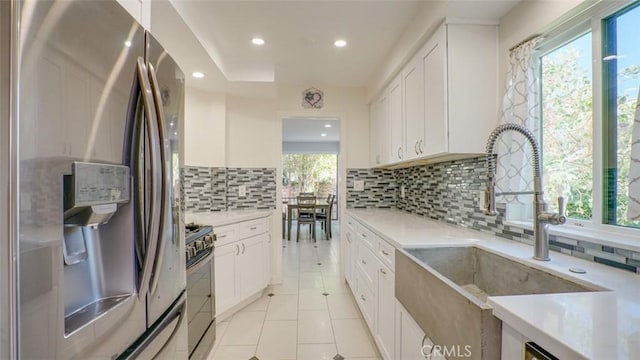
[386, 253]
[367, 237]
[368, 264]
[225, 234]
[252, 228]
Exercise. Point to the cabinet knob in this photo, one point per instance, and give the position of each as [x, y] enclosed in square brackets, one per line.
[363, 298]
[385, 253]
[363, 262]
[383, 272]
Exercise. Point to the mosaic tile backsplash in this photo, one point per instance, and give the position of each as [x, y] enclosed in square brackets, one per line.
[379, 189]
[260, 185]
[203, 188]
[216, 189]
[448, 192]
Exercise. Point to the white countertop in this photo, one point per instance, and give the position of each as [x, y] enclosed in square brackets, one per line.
[596, 325]
[220, 218]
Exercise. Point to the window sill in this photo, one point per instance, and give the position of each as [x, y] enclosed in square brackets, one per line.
[596, 236]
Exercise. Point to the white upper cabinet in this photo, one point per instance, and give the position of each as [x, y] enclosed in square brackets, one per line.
[396, 126]
[433, 58]
[444, 102]
[379, 124]
[413, 108]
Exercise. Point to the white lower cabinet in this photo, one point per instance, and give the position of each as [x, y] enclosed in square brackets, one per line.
[242, 265]
[409, 336]
[252, 260]
[372, 283]
[227, 274]
[385, 326]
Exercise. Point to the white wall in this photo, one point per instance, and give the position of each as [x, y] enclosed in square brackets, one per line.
[204, 128]
[254, 137]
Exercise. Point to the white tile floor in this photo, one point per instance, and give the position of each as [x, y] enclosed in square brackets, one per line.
[299, 321]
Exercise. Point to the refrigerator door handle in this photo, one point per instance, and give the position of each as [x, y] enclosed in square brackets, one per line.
[154, 221]
[162, 139]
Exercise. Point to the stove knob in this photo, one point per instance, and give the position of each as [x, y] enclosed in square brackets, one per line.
[199, 244]
[209, 240]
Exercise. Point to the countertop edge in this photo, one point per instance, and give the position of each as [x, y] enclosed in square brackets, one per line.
[222, 218]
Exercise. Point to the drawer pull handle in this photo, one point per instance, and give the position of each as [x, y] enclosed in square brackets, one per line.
[383, 272]
[243, 248]
[222, 236]
[253, 228]
[364, 235]
[237, 249]
[364, 262]
[385, 253]
[363, 298]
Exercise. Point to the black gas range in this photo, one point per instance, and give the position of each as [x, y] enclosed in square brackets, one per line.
[199, 240]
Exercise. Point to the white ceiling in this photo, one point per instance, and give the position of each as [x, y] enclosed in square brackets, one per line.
[299, 37]
[310, 129]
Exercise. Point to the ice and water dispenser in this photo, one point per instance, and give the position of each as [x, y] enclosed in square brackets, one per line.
[98, 248]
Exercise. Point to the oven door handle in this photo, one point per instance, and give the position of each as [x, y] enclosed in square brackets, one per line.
[197, 265]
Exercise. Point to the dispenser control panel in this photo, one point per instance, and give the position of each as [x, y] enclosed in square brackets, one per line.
[95, 184]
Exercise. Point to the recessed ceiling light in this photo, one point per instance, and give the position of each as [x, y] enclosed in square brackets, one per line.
[340, 43]
[127, 43]
[323, 134]
[198, 74]
[327, 125]
[175, 133]
[257, 41]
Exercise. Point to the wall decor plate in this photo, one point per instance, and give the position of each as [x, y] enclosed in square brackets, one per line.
[312, 98]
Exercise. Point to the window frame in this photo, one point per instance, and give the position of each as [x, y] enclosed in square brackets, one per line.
[591, 19]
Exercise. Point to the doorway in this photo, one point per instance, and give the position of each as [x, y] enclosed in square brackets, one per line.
[310, 164]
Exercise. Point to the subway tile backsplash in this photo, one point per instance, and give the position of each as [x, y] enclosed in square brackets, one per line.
[216, 189]
[449, 192]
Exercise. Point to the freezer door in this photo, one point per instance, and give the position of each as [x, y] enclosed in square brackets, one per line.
[165, 339]
[169, 275]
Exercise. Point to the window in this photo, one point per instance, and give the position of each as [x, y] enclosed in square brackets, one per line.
[589, 72]
[567, 126]
[621, 80]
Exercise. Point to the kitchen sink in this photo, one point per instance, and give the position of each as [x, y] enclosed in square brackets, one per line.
[445, 290]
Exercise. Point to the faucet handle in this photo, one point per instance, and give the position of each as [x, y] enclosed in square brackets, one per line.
[562, 210]
[562, 206]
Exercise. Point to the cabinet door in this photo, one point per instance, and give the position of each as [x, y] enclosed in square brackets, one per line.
[267, 255]
[409, 336]
[252, 261]
[385, 332]
[226, 263]
[396, 126]
[367, 300]
[374, 156]
[435, 90]
[348, 256]
[413, 107]
[383, 128]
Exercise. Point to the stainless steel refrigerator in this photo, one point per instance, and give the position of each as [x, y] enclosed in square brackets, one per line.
[90, 107]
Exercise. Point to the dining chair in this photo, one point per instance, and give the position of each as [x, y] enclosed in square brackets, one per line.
[306, 214]
[325, 217]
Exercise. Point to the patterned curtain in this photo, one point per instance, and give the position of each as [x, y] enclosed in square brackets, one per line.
[633, 212]
[520, 105]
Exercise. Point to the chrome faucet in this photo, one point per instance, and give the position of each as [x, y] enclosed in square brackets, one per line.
[541, 216]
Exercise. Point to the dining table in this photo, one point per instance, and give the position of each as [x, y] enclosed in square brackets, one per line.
[291, 205]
